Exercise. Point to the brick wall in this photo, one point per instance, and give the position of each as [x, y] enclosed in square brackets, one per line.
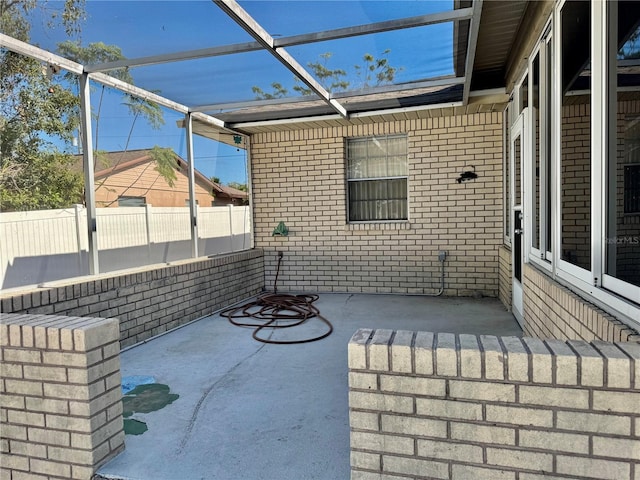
[152, 300]
[505, 278]
[576, 184]
[299, 177]
[425, 405]
[60, 402]
[553, 311]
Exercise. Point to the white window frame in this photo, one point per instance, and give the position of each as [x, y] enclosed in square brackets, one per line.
[347, 180]
[564, 269]
[506, 179]
[524, 186]
[609, 293]
[540, 256]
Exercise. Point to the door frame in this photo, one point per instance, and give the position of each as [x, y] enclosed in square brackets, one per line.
[520, 161]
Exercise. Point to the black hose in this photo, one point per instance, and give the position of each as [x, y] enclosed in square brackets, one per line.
[273, 310]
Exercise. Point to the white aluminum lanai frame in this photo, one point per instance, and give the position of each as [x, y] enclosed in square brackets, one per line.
[263, 41]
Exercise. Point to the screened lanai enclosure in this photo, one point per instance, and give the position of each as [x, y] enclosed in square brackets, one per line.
[166, 98]
[164, 161]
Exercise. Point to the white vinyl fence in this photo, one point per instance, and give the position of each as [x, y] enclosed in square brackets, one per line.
[45, 245]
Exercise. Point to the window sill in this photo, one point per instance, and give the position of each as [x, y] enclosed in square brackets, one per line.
[399, 225]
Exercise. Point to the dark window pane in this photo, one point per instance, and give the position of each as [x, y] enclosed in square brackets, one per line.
[623, 162]
[378, 200]
[575, 139]
[131, 201]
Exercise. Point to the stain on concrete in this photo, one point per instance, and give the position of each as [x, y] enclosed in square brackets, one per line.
[134, 427]
[144, 399]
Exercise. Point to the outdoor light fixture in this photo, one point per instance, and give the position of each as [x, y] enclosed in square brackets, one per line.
[468, 175]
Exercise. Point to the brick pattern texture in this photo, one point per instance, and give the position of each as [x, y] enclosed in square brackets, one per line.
[553, 311]
[505, 292]
[152, 301]
[60, 396]
[298, 177]
[443, 406]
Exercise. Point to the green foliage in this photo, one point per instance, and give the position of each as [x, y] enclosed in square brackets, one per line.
[278, 92]
[165, 160]
[331, 80]
[99, 52]
[215, 179]
[238, 186]
[101, 160]
[376, 71]
[150, 111]
[45, 180]
[40, 109]
[14, 14]
[373, 72]
[33, 110]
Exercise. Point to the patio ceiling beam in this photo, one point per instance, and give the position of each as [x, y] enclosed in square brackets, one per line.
[474, 28]
[436, 82]
[403, 87]
[177, 56]
[47, 57]
[335, 34]
[125, 87]
[378, 27]
[242, 18]
[355, 115]
[155, 98]
[39, 54]
[253, 103]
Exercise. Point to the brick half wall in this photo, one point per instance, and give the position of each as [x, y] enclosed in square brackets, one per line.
[505, 291]
[425, 405]
[60, 396]
[554, 311]
[151, 301]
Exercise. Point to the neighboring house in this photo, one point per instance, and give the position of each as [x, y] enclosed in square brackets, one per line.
[133, 180]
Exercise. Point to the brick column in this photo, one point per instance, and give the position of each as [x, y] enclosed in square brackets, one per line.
[61, 408]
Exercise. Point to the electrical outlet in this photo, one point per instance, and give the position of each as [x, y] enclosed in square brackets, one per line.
[442, 255]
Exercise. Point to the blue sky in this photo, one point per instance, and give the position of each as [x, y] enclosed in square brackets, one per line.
[142, 28]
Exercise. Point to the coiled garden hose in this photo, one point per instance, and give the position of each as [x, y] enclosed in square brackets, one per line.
[273, 310]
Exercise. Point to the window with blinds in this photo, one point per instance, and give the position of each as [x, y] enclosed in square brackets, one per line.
[377, 178]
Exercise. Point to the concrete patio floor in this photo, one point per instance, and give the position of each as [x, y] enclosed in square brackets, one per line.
[248, 410]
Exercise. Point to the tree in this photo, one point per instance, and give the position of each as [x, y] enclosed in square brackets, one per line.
[373, 72]
[33, 172]
[376, 71]
[331, 80]
[238, 186]
[40, 110]
[278, 92]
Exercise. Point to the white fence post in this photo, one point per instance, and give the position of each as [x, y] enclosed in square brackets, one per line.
[78, 211]
[231, 225]
[147, 217]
